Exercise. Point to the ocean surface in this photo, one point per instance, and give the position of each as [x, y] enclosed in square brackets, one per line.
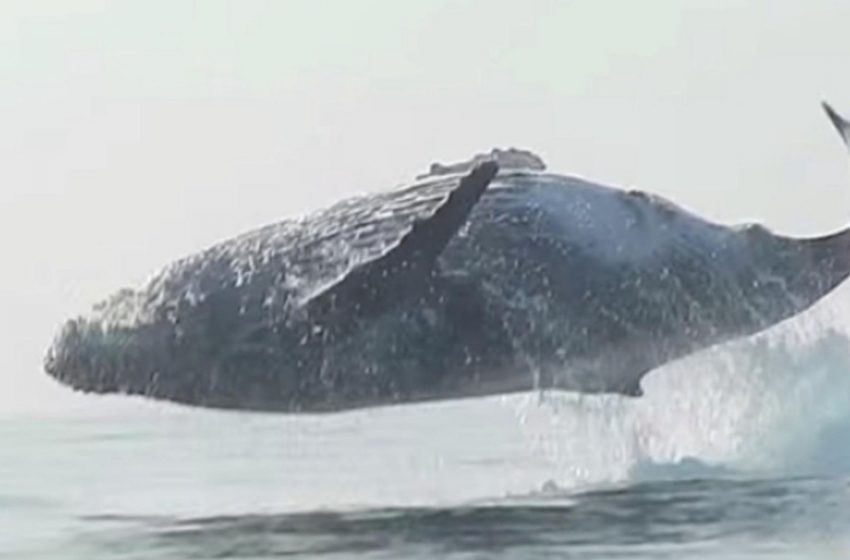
[738, 452]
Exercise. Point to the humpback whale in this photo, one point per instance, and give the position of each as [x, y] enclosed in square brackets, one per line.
[484, 277]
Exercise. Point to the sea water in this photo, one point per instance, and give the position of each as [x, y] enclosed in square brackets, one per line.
[741, 451]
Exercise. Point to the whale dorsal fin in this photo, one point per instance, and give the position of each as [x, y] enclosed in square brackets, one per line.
[839, 122]
[512, 158]
[377, 285]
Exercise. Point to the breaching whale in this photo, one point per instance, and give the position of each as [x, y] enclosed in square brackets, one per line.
[486, 277]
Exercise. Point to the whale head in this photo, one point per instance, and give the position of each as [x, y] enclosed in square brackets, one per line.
[110, 351]
[203, 349]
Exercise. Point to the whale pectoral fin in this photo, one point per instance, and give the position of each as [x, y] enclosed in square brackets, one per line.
[376, 286]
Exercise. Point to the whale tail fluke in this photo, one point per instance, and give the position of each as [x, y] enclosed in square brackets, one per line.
[839, 122]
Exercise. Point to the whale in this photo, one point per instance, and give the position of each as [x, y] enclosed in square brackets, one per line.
[485, 277]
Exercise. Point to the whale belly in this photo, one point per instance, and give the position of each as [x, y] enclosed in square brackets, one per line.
[584, 278]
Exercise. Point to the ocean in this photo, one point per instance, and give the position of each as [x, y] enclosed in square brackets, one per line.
[741, 451]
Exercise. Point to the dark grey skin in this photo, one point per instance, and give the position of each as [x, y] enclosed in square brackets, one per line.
[467, 283]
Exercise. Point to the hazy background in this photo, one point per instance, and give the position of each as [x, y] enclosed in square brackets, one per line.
[133, 133]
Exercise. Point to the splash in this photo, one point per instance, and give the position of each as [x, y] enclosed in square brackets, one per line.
[776, 403]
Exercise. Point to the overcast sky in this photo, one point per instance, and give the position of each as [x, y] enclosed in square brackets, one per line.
[133, 133]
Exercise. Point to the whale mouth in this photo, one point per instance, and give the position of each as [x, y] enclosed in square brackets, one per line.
[88, 357]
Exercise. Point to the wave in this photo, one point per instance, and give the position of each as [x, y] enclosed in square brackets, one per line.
[646, 521]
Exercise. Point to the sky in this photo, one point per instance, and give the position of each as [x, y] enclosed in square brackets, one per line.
[135, 133]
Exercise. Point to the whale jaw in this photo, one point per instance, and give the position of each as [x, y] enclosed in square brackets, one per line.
[87, 357]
